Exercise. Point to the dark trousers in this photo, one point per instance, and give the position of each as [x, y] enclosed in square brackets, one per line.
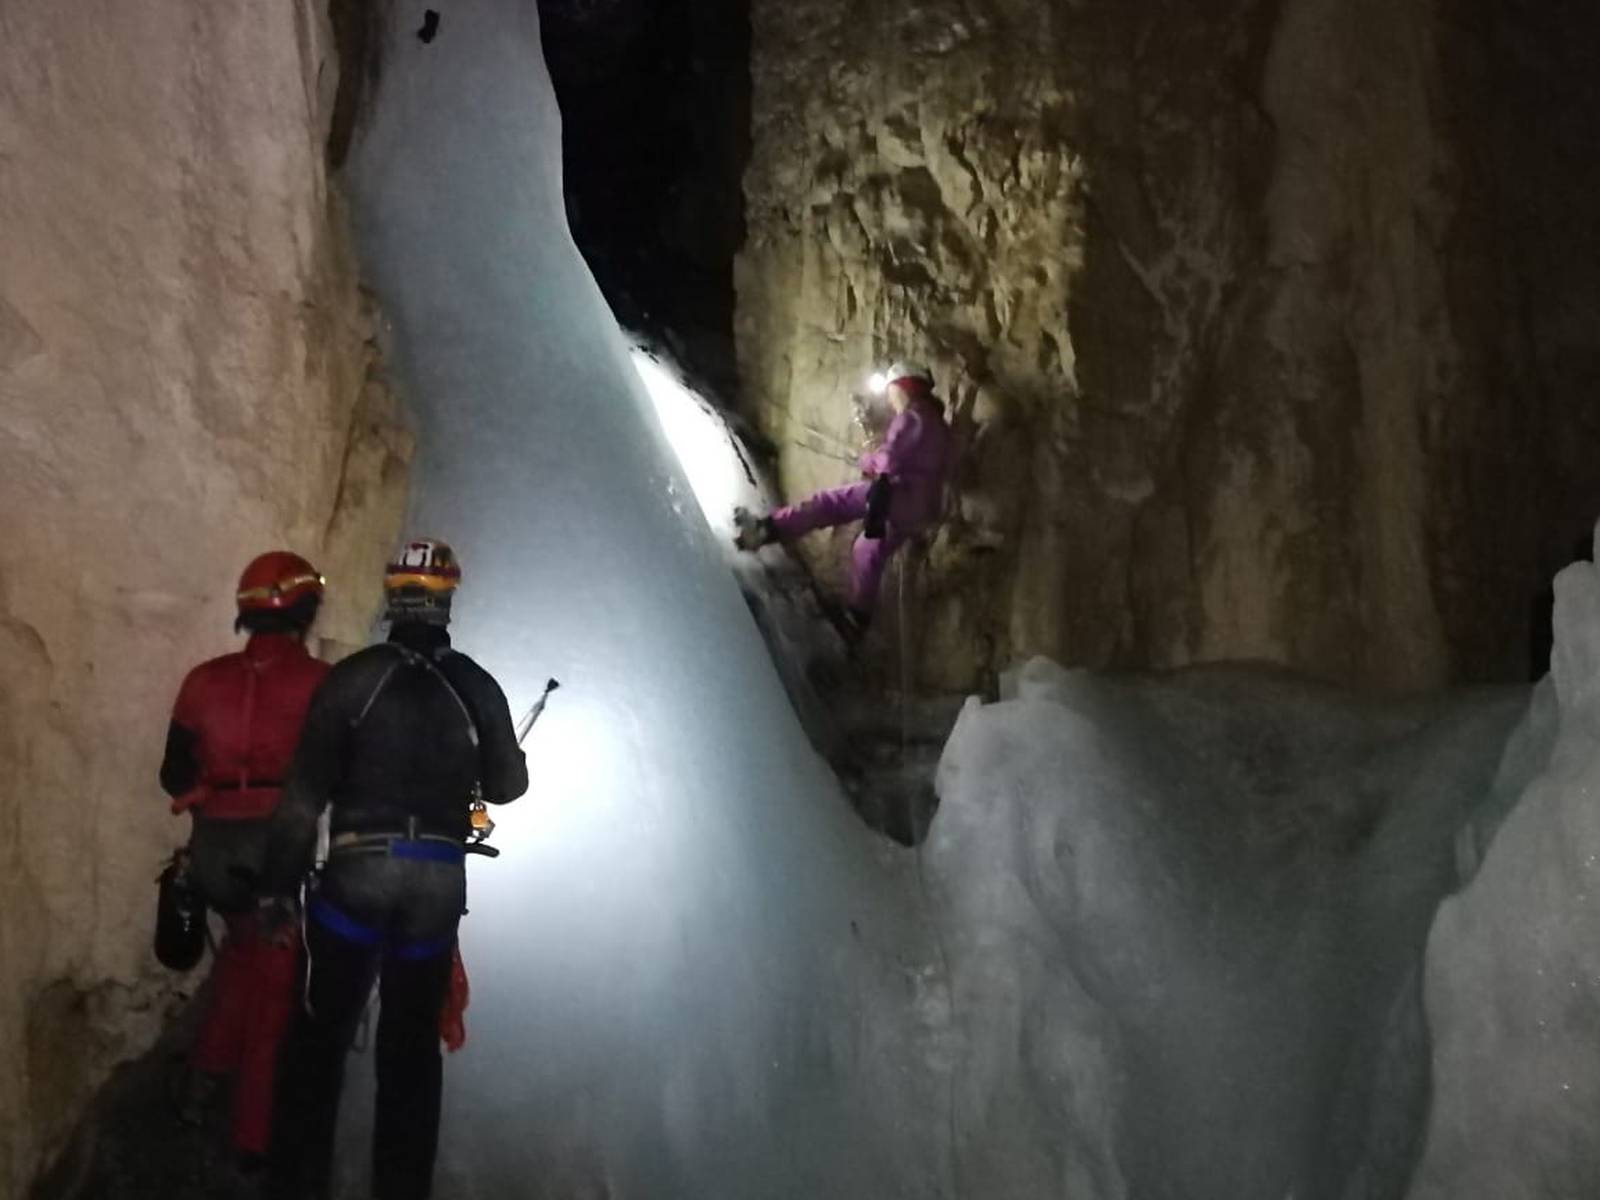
[395, 920]
[225, 861]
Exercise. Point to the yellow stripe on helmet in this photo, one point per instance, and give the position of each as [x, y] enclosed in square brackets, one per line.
[433, 583]
[280, 587]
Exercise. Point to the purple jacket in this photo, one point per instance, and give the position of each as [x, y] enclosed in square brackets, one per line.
[915, 455]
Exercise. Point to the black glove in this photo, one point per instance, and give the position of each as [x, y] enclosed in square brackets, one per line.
[877, 522]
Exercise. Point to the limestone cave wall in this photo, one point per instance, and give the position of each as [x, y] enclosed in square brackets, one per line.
[188, 375]
[1272, 327]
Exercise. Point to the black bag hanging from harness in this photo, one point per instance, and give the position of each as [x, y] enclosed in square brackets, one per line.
[180, 917]
[877, 522]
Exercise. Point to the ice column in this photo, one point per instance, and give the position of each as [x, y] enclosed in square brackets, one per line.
[685, 965]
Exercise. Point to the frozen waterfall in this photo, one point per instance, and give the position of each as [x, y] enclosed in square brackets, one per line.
[671, 959]
[1166, 940]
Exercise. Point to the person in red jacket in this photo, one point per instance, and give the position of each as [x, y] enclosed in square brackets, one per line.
[233, 732]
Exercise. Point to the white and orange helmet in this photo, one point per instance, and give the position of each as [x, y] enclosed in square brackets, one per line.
[420, 581]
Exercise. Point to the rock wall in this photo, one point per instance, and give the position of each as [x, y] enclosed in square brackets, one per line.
[188, 375]
[1271, 326]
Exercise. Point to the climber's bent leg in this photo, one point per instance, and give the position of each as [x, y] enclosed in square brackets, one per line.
[834, 506]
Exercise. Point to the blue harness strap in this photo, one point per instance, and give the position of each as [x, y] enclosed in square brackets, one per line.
[347, 927]
[341, 923]
[427, 851]
[417, 951]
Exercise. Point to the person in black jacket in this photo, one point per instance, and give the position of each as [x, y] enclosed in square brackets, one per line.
[399, 740]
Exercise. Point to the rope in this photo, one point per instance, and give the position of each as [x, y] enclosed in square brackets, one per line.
[305, 940]
[952, 1130]
[905, 657]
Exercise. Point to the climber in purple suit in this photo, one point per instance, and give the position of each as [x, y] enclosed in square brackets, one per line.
[902, 497]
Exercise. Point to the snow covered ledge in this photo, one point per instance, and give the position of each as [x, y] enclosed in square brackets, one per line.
[1513, 969]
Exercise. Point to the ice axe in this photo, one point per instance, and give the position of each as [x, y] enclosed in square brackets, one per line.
[482, 823]
[525, 726]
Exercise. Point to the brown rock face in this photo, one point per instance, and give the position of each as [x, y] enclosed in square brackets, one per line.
[1272, 327]
[187, 377]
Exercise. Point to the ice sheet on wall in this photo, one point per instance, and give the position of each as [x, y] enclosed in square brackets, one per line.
[674, 960]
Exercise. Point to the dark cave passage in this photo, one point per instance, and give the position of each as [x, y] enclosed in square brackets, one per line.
[655, 102]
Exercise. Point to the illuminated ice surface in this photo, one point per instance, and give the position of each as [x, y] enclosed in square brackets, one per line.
[676, 961]
[718, 468]
[1167, 937]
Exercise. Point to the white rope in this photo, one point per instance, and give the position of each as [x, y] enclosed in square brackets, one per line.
[305, 940]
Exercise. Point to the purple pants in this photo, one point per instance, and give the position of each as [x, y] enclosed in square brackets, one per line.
[840, 506]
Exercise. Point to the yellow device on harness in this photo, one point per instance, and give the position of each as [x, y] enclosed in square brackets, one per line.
[478, 814]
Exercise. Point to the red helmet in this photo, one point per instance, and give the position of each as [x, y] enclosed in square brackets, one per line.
[277, 580]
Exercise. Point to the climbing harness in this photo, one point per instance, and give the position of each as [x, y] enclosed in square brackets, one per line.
[336, 920]
[414, 843]
[481, 825]
[410, 843]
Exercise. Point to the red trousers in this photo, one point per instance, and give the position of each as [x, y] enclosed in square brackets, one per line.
[252, 997]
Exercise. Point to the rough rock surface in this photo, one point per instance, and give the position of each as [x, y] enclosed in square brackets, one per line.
[1272, 325]
[187, 375]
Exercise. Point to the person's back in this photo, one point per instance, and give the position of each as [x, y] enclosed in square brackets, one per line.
[915, 456]
[400, 739]
[232, 734]
[412, 754]
[242, 714]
